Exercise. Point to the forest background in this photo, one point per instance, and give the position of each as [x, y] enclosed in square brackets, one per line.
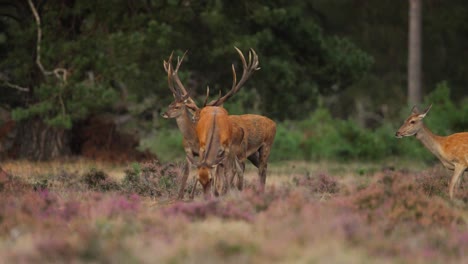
[333, 73]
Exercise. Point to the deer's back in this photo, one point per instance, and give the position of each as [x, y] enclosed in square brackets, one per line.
[455, 147]
[259, 129]
[213, 124]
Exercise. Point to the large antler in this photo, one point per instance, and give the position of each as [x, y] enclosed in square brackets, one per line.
[249, 68]
[176, 86]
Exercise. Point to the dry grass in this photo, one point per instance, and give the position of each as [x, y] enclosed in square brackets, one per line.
[29, 170]
[310, 213]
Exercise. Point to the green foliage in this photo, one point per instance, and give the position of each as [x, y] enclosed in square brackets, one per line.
[124, 46]
[167, 143]
[445, 117]
[60, 106]
[287, 142]
[344, 55]
[320, 136]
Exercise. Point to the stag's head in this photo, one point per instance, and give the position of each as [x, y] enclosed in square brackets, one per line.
[182, 101]
[413, 124]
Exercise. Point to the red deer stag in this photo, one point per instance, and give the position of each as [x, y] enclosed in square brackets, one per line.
[260, 131]
[451, 150]
[182, 109]
[221, 149]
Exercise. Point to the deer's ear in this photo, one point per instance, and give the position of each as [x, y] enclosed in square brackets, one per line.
[415, 110]
[427, 110]
[423, 114]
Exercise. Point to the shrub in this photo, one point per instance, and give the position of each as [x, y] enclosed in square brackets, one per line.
[153, 178]
[167, 141]
[397, 199]
[226, 209]
[286, 144]
[321, 183]
[321, 138]
[99, 180]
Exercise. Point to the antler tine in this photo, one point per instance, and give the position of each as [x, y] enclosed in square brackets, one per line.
[207, 95]
[170, 81]
[175, 84]
[248, 69]
[179, 61]
[168, 68]
[175, 75]
[166, 63]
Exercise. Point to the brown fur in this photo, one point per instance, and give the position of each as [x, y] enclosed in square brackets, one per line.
[260, 133]
[214, 132]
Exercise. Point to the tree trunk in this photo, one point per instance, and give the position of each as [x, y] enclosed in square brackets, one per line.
[414, 52]
[37, 141]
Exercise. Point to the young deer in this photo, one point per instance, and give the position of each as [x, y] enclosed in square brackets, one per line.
[451, 150]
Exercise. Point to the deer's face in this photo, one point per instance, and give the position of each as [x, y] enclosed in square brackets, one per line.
[410, 127]
[205, 177]
[174, 110]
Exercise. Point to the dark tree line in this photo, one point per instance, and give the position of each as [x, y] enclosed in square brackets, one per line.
[111, 53]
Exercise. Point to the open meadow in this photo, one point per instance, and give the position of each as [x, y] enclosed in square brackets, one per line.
[79, 211]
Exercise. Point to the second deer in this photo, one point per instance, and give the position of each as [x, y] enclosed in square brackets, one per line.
[451, 150]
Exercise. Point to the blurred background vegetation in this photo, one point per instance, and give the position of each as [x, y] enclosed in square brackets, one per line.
[333, 73]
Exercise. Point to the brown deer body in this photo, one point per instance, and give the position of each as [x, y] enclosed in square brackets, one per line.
[259, 131]
[183, 117]
[451, 150]
[260, 134]
[220, 148]
[182, 109]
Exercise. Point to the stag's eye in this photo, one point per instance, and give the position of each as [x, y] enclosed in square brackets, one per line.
[412, 122]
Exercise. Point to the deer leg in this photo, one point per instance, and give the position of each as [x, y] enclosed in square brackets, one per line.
[218, 183]
[231, 178]
[192, 192]
[457, 173]
[240, 168]
[185, 175]
[226, 179]
[264, 153]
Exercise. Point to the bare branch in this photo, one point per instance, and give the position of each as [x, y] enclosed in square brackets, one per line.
[60, 73]
[14, 86]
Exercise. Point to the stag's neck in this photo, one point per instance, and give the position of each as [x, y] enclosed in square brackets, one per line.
[431, 141]
[186, 126]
